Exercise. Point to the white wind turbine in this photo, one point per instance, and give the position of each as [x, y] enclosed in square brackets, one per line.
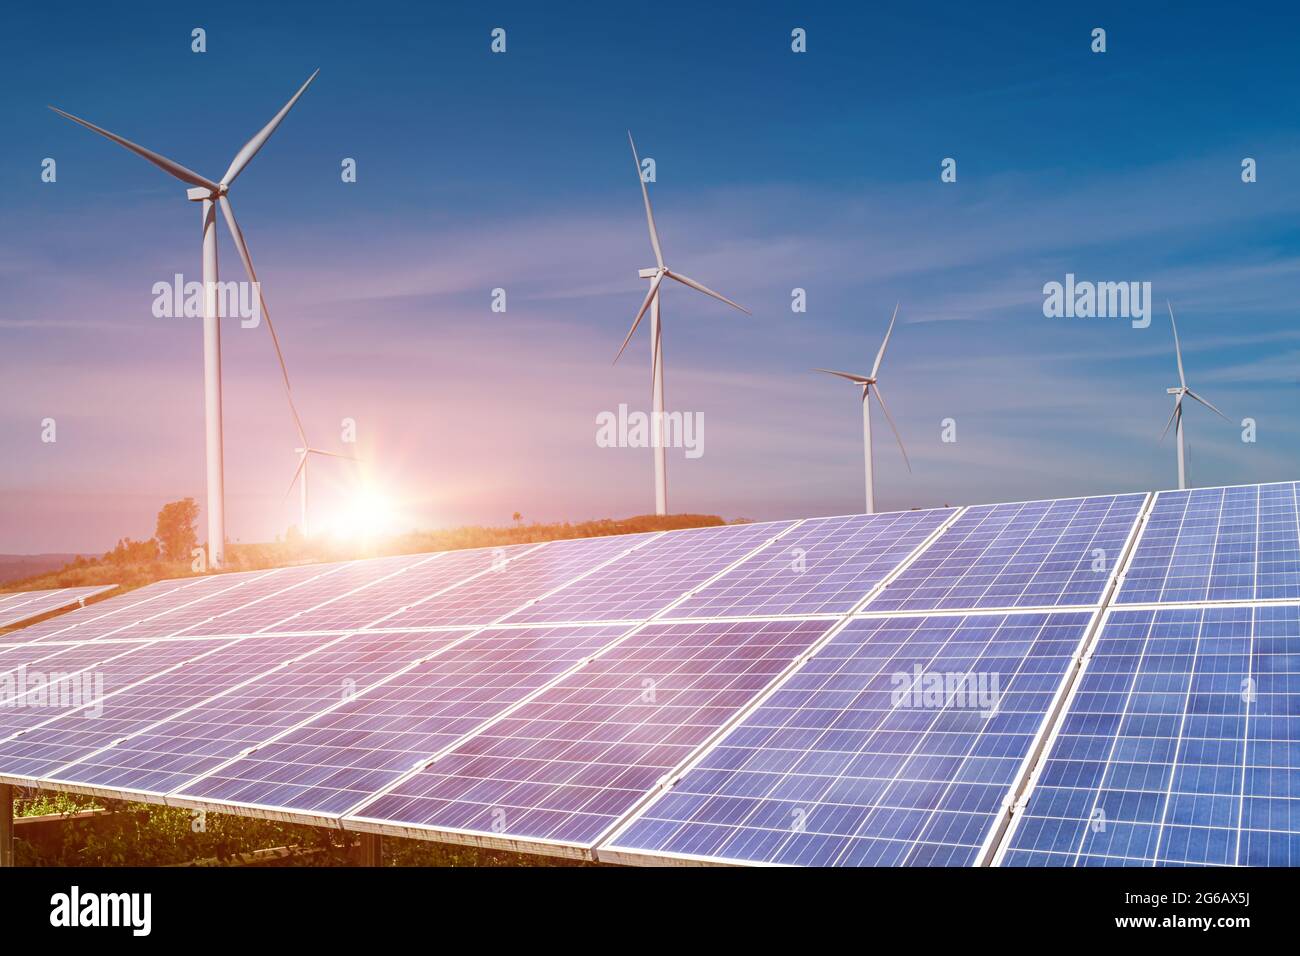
[1176, 417]
[871, 387]
[301, 473]
[211, 194]
[651, 302]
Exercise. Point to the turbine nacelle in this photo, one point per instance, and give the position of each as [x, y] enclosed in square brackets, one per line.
[200, 193]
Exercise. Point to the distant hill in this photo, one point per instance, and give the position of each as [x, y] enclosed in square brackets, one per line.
[14, 567]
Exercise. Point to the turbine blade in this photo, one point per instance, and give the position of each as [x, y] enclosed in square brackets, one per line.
[162, 162]
[857, 379]
[302, 463]
[1178, 404]
[686, 280]
[245, 155]
[1209, 406]
[237, 234]
[890, 418]
[875, 369]
[333, 454]
[1182, 379]
[649, 213]
[645, 304]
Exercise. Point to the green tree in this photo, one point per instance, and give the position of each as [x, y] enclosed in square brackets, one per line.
[128, 552]
[175, 532]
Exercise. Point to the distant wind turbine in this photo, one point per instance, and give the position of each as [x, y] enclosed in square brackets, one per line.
[1176, 417]
[301, 473]
[212, 194]
[651, 302]
[871, 387]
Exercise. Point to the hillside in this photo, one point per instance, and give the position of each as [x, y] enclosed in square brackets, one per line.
[14, 567]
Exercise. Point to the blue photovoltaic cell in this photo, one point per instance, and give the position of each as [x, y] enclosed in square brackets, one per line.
[284, 609]
[24, 605]
[168, 754]
[1034, 554]
[896, 744]
[1217, 544]
[198, 617]
[486, 598]
[217, 666]
[567, 765]
[644, 582]
[339, 759]
[824, 566]
[45, 698]
[375, 602]
[1181, 746]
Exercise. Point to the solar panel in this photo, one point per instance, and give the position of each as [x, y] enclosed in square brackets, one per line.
[46, 695]
[219, 665]
[1035, 554]
[107, 615]
[1179, 746]
[567, 765]
[19, 606]
[315, 586]
[134, 753]
[642, 583]
[824, 566]
[335, 761]
[484, 599]
[412, 583]
[897, 743]
[1217, 544]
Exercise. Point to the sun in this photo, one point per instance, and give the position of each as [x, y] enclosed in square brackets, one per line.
[370, 513]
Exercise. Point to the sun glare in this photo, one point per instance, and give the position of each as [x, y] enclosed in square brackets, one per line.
[370, 513]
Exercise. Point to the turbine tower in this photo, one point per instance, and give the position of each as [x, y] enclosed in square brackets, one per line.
[301, 472]
[212, 194]
[1176, 417]
[870, 386]
[651, 302]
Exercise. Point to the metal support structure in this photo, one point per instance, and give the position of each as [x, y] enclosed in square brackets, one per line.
[6, 825]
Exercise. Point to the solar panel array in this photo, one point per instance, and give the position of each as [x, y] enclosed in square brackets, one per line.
[19, 606]
[1083, 681]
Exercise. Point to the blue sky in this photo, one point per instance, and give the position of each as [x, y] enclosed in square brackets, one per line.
[774, 171]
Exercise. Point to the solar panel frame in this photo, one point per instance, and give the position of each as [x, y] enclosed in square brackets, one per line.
[444, 609]
[445, 667]
[821, 567]
[1193, 624]
[626, 576]
[836, 676]
[1162, 555]
[19, 606]
[944, 578]
[570, 691]
[349, 654]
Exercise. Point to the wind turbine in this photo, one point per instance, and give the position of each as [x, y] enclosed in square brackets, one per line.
[651, 302]
[211, 194]
[870, 387]
[304, 452]
[1176, 417]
